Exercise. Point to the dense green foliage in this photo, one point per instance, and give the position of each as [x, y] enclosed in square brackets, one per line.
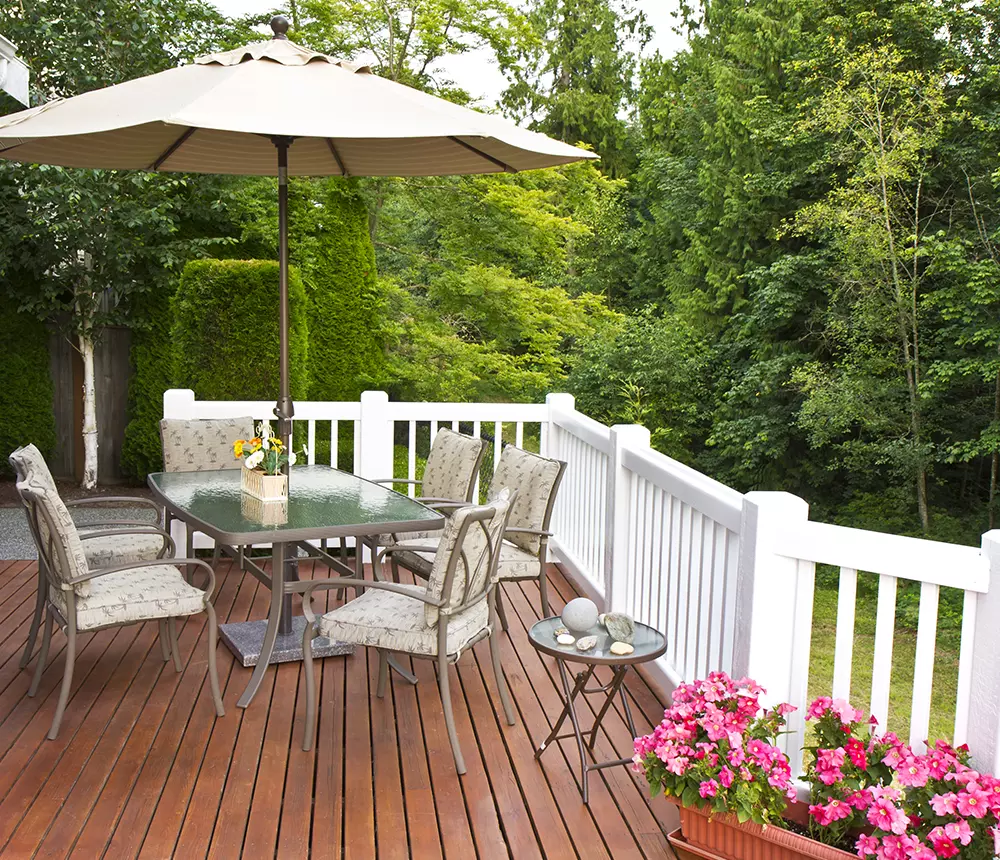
[225, 330]
[26, 395]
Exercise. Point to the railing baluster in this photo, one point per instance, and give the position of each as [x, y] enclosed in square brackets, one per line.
[519, 434]
[885, 628]
[964, 690]
[334, 441]
[411, 456]
[843, 652]
[923, 665]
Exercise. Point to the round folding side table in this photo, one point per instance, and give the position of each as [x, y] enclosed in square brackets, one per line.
[648, 644]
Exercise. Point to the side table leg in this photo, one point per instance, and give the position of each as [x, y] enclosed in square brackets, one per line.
[581, 682]
[576, 723]
[273, 620]
[616, 685]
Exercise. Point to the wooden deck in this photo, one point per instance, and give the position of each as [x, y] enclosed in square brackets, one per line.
[142, 768]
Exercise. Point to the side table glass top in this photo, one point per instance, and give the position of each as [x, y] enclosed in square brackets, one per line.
[322, 502]
[648, 644]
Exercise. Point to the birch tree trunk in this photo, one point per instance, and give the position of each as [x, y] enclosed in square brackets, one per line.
[86, 346]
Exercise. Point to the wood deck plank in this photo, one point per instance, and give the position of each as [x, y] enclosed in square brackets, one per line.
[142, 768]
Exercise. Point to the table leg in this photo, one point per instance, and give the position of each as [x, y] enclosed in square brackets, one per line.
[581, 682]
[613, 688]
[278, 597]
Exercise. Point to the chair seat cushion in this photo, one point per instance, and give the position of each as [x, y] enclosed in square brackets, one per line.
[143, 594]
[121, 549]
[515, 563]
[396, 622]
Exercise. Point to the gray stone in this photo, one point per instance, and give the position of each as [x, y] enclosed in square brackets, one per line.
[244, 639]
[586, 643]
[620, 627]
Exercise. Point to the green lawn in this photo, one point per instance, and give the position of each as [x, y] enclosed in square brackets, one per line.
[904, 645]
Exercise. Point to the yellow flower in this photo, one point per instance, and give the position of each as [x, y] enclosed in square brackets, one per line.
[238, 448]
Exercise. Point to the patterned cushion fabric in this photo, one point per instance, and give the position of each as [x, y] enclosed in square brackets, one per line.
[515, 563]
[396, 622]
[202, 445]
[535, 479]
[143, 594]
[408, 537]
[469, 579]
[63, 536]
[452, 465]
[125, 548]
[28, 461]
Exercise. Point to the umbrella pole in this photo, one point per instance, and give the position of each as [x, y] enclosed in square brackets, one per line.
[285, 408]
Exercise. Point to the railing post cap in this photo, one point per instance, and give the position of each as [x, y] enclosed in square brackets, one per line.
[374, 397]
[779, 502]
[635, 434]
[560, 399]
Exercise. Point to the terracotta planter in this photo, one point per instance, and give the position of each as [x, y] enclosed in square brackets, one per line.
[722, 837]
[267, 488]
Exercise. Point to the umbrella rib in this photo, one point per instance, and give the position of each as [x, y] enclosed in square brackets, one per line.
[336, 157]
[506, 168]
[177, 144]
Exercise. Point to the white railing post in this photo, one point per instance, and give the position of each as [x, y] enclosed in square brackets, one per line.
[772, 645]
[375, 438]
[984, 705]
[551, 436]
[178, 403]
[616, 557]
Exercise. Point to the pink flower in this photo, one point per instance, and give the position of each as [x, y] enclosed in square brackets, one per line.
[708, 788]
[866, 845]
[913, 772]
[784, 709]
[726, 777]
[860, 800]
[819, 708]
[959, 830]
[856, 753]
[888, 817]
[941, 844]
[944, 804]
[846, 713]
[973, 802]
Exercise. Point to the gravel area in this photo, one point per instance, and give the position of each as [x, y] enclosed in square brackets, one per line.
[15, 538]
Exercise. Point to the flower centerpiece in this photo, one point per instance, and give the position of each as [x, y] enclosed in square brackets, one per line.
[263, 458]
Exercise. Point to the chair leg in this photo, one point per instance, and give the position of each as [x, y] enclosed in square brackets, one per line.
[172, 629]
[383, 673]
[501, 613]
[43, 655]
[213, 671]
[36, 619]
[508, 708]
[164, 638]
[449, 716]
[543, 591]
[67, 683]
[395, 569]
[307, 667]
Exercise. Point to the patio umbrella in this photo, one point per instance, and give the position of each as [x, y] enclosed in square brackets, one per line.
[274, 108]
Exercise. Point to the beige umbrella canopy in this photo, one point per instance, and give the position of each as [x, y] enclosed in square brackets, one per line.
[274, 108]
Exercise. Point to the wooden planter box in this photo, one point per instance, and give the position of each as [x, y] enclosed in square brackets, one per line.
[267, 488]
[266, 513]
[722, 837]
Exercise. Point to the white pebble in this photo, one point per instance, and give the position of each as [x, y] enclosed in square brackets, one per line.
[565, 639]
[621, 649]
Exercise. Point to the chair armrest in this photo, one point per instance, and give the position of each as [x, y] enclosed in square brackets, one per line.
[396, 481]
[432, 501]
[406, 548]
[520, 531]
[117, 524]
[307, 588]
[136, 565]
[445, 505]
[139, 530]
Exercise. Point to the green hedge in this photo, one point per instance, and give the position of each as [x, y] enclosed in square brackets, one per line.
[26, 395]
[152, 368]
[225, 330]
[346, 353]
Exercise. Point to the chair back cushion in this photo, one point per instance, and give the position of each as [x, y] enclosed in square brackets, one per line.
[55, 534]
[535, 479]
[452, 466]
[203, 444]
[477, 568]
[30, 460]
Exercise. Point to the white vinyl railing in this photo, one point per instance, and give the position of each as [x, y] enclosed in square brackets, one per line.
[729, 578]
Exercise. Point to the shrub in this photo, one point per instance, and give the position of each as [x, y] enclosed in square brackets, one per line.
[346, 353]
[152, 359]
[225, 330]
[26, 395]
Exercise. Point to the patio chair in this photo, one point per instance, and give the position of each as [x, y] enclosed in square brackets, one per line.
[449, 478]
[201, 445]
[106, 542]
[82, 598]
[524, 553]
[454, 611]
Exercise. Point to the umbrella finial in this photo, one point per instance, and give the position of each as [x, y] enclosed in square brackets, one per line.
[279, 24]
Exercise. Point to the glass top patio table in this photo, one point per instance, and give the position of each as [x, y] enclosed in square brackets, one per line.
[323, 502]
